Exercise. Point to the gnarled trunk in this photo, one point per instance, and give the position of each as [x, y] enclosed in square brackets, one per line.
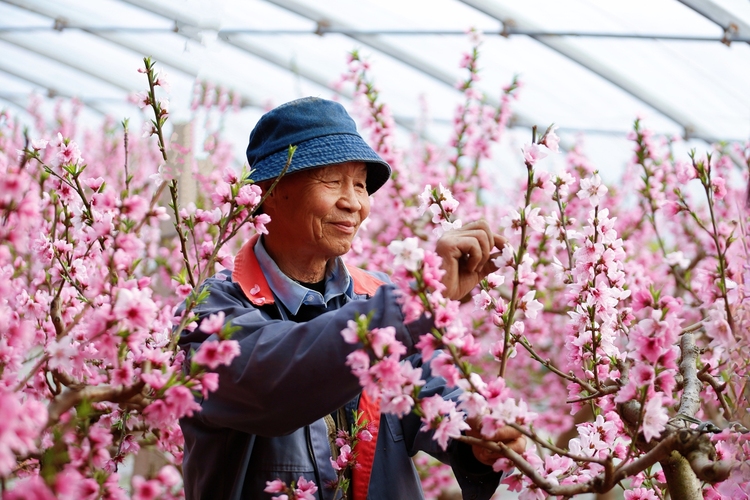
[682, 482]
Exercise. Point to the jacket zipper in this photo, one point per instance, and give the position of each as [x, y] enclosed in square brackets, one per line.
[308, 438]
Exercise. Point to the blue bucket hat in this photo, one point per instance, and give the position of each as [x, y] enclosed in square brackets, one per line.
[324, 134]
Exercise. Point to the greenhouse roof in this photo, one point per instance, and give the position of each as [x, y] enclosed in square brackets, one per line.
[590, 67]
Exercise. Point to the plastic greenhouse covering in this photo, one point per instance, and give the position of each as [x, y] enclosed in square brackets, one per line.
[589, 67]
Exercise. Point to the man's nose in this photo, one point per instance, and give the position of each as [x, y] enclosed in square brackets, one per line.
[349, 198]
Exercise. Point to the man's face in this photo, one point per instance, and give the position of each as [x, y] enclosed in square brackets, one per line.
[316, 213]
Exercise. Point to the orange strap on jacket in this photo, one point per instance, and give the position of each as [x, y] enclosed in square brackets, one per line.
[365, 449]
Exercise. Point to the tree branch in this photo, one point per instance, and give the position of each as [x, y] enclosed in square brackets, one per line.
[690, 401]
[71, 397]
[598, 484]
[718, 388]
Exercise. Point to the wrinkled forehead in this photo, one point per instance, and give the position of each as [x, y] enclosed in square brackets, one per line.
[356, 169]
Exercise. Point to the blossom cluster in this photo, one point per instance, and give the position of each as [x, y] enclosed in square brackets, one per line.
[91, 277]
[591, 297]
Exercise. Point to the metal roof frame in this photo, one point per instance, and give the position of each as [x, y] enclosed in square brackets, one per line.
[256, 50]
[733, 26]
[595, 65]
[127, 42]
[389, 49]
[515, 22]
[507, 31]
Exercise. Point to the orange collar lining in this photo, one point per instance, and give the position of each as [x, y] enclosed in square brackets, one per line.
[248, 274]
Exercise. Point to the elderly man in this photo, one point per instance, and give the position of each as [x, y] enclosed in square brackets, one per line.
[281, 401]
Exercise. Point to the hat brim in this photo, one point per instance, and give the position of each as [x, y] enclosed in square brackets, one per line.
[323, 151]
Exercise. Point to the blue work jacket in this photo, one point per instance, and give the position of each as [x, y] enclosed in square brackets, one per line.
[266, 420]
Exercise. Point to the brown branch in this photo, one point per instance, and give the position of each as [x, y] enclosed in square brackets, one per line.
[556, 449]
[598, 484]
[21, 384]
[690, 401]
[693, 328]
[710, 471]
[718, 388]
[56, 315]
[72, 397]
[606, 390]
[548, 364]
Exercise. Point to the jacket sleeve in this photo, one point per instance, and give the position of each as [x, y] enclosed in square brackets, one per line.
[477, 480]
[287, 374]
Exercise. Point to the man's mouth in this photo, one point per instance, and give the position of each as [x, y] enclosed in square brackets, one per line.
[348, 227]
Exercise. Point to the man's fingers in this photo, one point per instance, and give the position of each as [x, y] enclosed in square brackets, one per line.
[506, 434]
[475, 246]
[499, 241]
[489, 457]
[518, 445]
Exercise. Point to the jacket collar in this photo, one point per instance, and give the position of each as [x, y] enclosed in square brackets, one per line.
[249, 275]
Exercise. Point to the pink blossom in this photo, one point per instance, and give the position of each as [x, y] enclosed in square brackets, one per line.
[511, 221]
[350, 333]
[592, 189]
[495, 280]
[642, 374]
[135, 307]
[94, 183]
[719, 187]
[533, 219]
[222, 194]
[169, 476]
[163, 81]
[551, 140]
[654, 418]
[32, 488]
[181, 401]
[433, 407]
[640, 494]
[482, 300]
[427, 345]
[275, 486]
[345, 457]
[450, 426]
[209, 383]
[443, 366]
[124, 374]
[677, 259]
[155, 378]
[259, 223]
[446, 311]
[39, 144]
[364, 435]
[305, 489]
[69, 154]
[396, 403]
[383, 341]
[530, 305]
[407, 253]
[532, 153]
[249, 195]
[61, 354]
[142, 99]
[213, 323]
[146, 489]
[214, 353]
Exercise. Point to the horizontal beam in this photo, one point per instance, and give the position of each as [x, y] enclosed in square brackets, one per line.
[508, 32]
